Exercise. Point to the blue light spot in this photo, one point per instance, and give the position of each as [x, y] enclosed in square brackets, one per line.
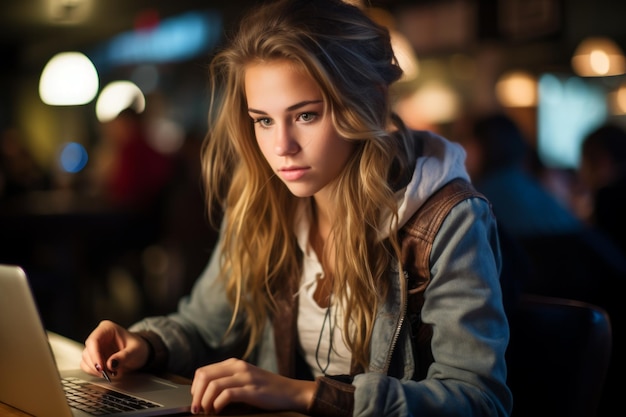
[174, 39]
[73, 157]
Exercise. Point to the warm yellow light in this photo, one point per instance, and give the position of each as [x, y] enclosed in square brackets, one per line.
[433, 103]
[517, 89]
[600, 62]
[618, 101]
[598, 57]
[116, 97]
[69, 78]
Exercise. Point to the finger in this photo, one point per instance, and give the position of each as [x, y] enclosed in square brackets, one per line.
[234, 394]
[87, 365]
[99, 336]
[197, 394]
[237, 382]
[92, 361]
[132, 355]
[208, 382]
[214, 389]
[121, 362]
[199, 385]
[106, 340]
[211, 372]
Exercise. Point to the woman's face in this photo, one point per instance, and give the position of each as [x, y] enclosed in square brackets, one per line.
[295, 135]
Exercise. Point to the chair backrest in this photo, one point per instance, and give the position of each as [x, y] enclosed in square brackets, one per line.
[558, 356]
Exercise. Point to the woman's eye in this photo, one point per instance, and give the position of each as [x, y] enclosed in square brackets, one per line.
[307, 117]
[263, 121]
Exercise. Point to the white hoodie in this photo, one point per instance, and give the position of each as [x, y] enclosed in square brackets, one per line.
[440, 162]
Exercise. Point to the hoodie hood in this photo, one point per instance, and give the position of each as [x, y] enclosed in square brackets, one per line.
[439, 162]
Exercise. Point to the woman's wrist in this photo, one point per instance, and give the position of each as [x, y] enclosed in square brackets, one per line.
[306, 394]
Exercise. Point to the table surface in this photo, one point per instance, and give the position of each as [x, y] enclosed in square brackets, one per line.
[67, 353]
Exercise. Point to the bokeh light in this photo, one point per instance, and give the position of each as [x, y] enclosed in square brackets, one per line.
[68, 79]
[598, 56]
[517, 89]
[117, 96]
[73, 157]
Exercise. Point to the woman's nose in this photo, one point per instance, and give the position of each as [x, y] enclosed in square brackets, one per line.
[285, 142]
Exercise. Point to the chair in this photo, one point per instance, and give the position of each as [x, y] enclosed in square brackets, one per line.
[558, 356]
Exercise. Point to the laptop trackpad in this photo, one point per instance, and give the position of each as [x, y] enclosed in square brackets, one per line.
[141, 383]
[133, 383]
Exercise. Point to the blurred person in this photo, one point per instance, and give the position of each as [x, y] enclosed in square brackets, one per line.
[132, 173]
[134, 180]
[603, 173]
[305, 294]
[568, 258]
[501, 165]
[19, 171]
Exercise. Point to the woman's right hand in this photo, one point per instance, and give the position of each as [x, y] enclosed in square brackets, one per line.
[114, 349]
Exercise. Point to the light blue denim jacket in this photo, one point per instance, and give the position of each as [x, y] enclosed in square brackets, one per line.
[463, 303]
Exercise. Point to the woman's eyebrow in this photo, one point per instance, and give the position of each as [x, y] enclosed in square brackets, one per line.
[290, 108]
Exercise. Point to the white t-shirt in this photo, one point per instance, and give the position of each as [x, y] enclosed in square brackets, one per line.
[316, 324]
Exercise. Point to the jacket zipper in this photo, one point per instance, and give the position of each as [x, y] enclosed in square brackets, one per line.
[396, 335]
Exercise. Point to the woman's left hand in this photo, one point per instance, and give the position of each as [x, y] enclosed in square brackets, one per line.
[236, 381]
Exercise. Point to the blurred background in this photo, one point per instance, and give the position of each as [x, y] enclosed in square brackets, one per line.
[105, 210]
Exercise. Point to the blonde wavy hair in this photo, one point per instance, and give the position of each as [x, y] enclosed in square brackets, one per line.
[351, 59]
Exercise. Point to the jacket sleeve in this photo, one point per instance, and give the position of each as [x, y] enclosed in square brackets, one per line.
[194, 335]
[333, 398]
[463, 304]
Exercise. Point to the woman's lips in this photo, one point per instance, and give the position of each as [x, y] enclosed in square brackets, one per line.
[292, 173]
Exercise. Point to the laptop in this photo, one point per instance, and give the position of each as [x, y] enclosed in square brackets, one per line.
[31, 382]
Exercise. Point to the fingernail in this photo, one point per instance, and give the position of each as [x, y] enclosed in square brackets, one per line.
[98, 368]
[114, 363]
[194, 410]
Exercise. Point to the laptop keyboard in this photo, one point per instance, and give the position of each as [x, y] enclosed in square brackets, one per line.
[100, 401]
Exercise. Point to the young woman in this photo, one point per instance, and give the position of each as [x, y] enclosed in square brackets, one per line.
[314, 177]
